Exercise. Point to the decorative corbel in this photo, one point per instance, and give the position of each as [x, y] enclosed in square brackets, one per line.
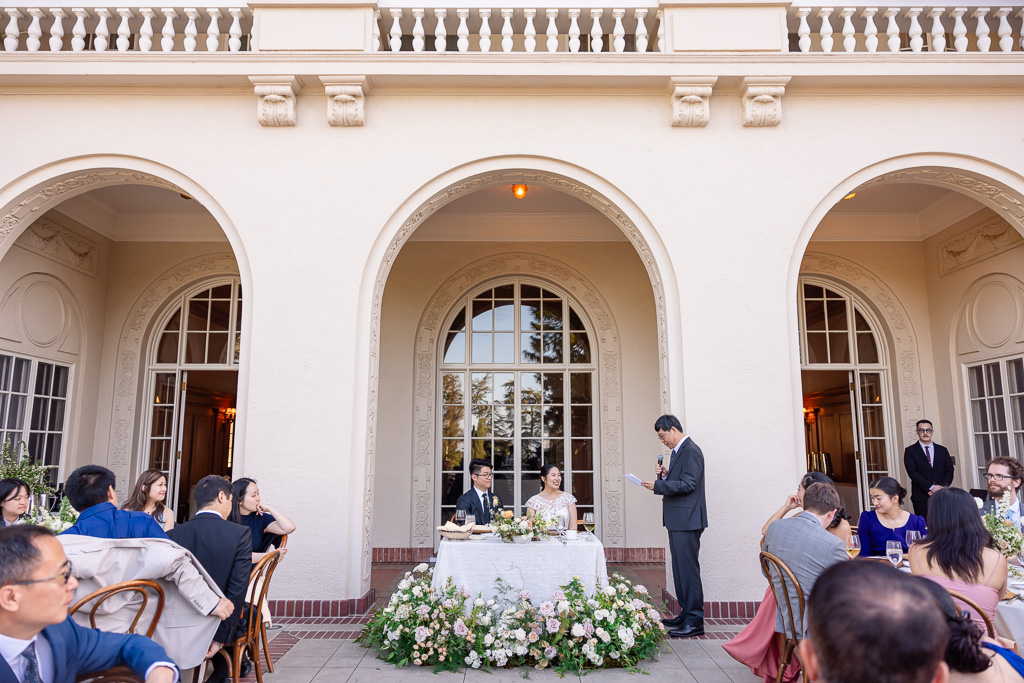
[691, 106]
[275, 99]
[762, 100]
[346, 99]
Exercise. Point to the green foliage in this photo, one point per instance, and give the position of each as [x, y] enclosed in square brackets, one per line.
[17, 463]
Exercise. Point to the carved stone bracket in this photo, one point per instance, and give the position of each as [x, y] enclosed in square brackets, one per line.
[346, 99]
[762, 100]
[59, 244]
[691, 106]
[275, 99]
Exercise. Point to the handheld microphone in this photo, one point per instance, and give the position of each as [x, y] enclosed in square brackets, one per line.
[661, 459]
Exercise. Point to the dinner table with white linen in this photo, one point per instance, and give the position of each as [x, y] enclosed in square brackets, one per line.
[541, 567]
[1009, 619]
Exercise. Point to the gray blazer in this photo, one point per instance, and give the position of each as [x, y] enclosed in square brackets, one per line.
[808, 550]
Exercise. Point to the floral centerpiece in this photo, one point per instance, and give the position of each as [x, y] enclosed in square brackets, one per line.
[507, 526]
[55, 521]
[16, 463]
[1008, 538]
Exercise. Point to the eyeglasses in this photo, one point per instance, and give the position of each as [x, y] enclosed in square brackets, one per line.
[489, 475]
[65, 576]
[662, 435]
[998, 477]
[924, 431]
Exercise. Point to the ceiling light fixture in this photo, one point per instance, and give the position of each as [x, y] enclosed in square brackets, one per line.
[519, 191]
[850, 196]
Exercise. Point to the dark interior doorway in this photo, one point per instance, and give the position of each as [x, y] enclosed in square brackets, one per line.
[207, 436]
[831, 433]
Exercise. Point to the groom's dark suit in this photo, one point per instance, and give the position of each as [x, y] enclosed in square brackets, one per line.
[471, 503]
[923, 476]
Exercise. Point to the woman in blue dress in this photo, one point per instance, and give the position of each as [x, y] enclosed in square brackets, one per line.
[888, 521]
[265, 523]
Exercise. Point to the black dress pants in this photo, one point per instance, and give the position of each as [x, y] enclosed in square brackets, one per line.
[920, 507]
[685, 549]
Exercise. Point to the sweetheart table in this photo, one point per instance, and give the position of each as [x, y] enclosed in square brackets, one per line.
[540, 567]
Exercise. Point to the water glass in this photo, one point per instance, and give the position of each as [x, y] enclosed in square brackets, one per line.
[470, 519]
[894, 551]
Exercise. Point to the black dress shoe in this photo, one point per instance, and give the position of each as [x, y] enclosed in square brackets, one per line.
[246, 666]
[687, 631]
[675, 621]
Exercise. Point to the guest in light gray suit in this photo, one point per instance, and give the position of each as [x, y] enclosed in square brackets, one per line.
[803, 543]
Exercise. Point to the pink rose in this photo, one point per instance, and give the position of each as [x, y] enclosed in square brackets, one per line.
[524, 595]
[461, 629]
[553, 625]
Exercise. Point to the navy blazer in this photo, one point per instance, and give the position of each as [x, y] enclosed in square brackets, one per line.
[78, 651]
[683, 504]
[922, 476]
[470, 502]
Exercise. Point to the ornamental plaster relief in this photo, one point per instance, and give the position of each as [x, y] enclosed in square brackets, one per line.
[691, 99]
[275, 99]
[346, 99]
[990, 323]
[762, 100]
[59, 244]
[977, 244]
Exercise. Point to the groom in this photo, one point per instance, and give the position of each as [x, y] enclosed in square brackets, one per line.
[479, 501]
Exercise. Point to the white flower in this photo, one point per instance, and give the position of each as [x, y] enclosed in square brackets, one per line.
[979, 502]
[404, 584]
[577, 630]
[479, 602]
[641, 589]
[490, 603]
[593, 604]
[603, 635]
[485, 620]
[488, 639]
[614, 654]
[520, 634]
[563, 606]
[626, 636]
[609, 591]
[421, 567]
[417, 591]
[520, 650]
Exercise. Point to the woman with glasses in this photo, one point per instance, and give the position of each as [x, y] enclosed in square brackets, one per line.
[14, 495]
[888, 521]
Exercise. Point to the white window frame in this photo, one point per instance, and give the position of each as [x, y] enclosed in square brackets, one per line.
[1015, 450]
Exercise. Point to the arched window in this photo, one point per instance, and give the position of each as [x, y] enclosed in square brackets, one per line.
[518, 387]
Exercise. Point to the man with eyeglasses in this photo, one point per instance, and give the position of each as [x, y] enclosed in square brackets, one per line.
[38, 640]
[929, 467]
[1004, 475]
[479, 501]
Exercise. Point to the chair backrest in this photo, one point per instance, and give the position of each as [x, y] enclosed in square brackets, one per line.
[773, 566]
[260, 577]
[139, 586]
[284, 542]
[974, 608]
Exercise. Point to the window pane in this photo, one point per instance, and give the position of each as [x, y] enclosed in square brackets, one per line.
[505, 347]
[163, 421]
[530, 351]
[583, 489]
[482, 348]
[482, 450]
[455, 348]
[16, 412]
[504, 315]
[459, 323]
[530, 483]
[530, 387]
[481, 421]
[529, 292]
[582, 424]
[451, 488]
[504, 421]
[837, 315]
[217, 351]
[552, 347]
[167, 351]
[875, 453]
[979, 416]
[166, 388]
[504, 455]
[198, 310]
[997, 414]
[993, 379]
[529, 315]
[839, 347]
[530, 421]
[873, 422]
[554, 421]
[160, 454]
[1015, 370]
[44, 377]
[975, 377]
[553, 382]
[817, 347]
[56, 417]
[505, 292]
[580, 389]
[40, 407]
[575, 323]
[220, 315]
[579, 348]
[503, 486]
[813, 292]
[452, 454]
[552, 315]
[6, 364]
[582, 454]
[867, 352]
[452, 421]
[554, 452]
[195, 347]
[19, 379]
[483, 387]
[483, 318]
[531, 454]
[815, 312]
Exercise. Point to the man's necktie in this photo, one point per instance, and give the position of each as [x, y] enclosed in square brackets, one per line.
[928, 452]
[487, 508]
[31, 664]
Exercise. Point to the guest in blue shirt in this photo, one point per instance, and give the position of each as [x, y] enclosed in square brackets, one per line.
[91, 490]
[888, 521]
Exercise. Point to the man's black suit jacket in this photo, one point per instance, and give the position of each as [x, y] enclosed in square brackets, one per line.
[922, 475]
[470, 502]
[683, 505]
[225, 551]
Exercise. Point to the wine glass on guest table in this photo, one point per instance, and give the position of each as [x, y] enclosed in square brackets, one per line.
[853, 546]
[894, 551]
[913, 536]
[460, 517]
[588, 521]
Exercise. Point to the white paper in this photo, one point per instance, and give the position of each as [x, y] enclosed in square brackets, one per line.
[631, 478]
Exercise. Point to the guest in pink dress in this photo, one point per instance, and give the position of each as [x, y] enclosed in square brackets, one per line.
[758, 645]
[958, 553]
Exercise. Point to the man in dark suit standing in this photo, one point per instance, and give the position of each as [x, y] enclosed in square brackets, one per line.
[929, 466]
[685, 515]
[225, 551]
[479, 501]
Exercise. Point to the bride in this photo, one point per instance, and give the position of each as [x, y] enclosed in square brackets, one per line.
[552, 500]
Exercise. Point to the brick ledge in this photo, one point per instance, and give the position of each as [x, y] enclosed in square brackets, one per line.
[322, 608]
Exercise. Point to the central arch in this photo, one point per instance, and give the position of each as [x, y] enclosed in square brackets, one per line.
[428, 199]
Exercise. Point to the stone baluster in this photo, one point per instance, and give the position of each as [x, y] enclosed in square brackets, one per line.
[12, 32]
[191, 30]
[213, 30]
[463, 30]
[892, 29]
[167, 33]
[146, 30]
[485, 30]
[959, 29]
[57, 29]
[375, 32]
[804, 29]
[506, 30]
[982, 30]
[1020, 15]
[870, 30]
[641, 29]
[618, 31]
[102, 39]
[124, 31]
[849, 33]
[660, 16]
[574, 30]
[418, 39]
[78, 30]
[552, 31]
[916, 41]
[1004, 31]
[235, 32]
[826, 29]
[938, 30]
[440, 31]
[35, 30]
[396, 30]
[530, 32]
[596, 33]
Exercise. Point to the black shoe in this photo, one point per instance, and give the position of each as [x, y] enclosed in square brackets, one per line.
[687, 631]
[674, 622]
[245, 668]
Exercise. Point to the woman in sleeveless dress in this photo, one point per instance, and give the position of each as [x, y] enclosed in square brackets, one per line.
[552, 500]
[958, 553]
[149, 495]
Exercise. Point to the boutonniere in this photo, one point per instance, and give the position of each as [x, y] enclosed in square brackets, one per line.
[495, 502]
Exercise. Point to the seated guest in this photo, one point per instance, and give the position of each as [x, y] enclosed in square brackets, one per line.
[479, 501]
[552, 500]
[90, 490]
[264, 522]
[971, 657]
[804, 545]
[1004, 475]
[757, 645]
[225, 551]
[871, 623]
[38, 640]
[149, 496]
[958, 553]
[888, 521]
[13, 501]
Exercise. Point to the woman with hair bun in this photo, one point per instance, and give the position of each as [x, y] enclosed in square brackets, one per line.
[888, 521]
[551, 499]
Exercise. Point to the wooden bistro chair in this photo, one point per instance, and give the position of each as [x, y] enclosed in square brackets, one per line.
[250, 639]
[120, 674]
[972, 607]
[771, 565]
[266, 581]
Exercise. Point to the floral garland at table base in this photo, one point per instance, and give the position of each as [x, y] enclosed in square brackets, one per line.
[617, 627]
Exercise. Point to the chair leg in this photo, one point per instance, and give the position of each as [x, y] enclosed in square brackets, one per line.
[255, 652]
[236, 665]
[266, 649]
[786, 655]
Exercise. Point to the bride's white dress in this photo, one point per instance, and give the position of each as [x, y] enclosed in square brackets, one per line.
[559, 507]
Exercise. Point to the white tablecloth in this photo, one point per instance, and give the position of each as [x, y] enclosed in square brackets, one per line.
[540, 567]
[1010, 620]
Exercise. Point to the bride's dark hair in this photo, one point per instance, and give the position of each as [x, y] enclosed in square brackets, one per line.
[544, 471]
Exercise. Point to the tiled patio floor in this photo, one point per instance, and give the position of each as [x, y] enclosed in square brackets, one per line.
[307, 650]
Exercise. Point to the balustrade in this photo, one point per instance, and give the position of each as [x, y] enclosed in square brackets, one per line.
[948, 30]
[180, 30]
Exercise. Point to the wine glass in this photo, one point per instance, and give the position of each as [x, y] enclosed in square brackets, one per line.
[460, 517]
[913, 537]
[853, 546]
[561, 523]
[588, 524]
[894, 551]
